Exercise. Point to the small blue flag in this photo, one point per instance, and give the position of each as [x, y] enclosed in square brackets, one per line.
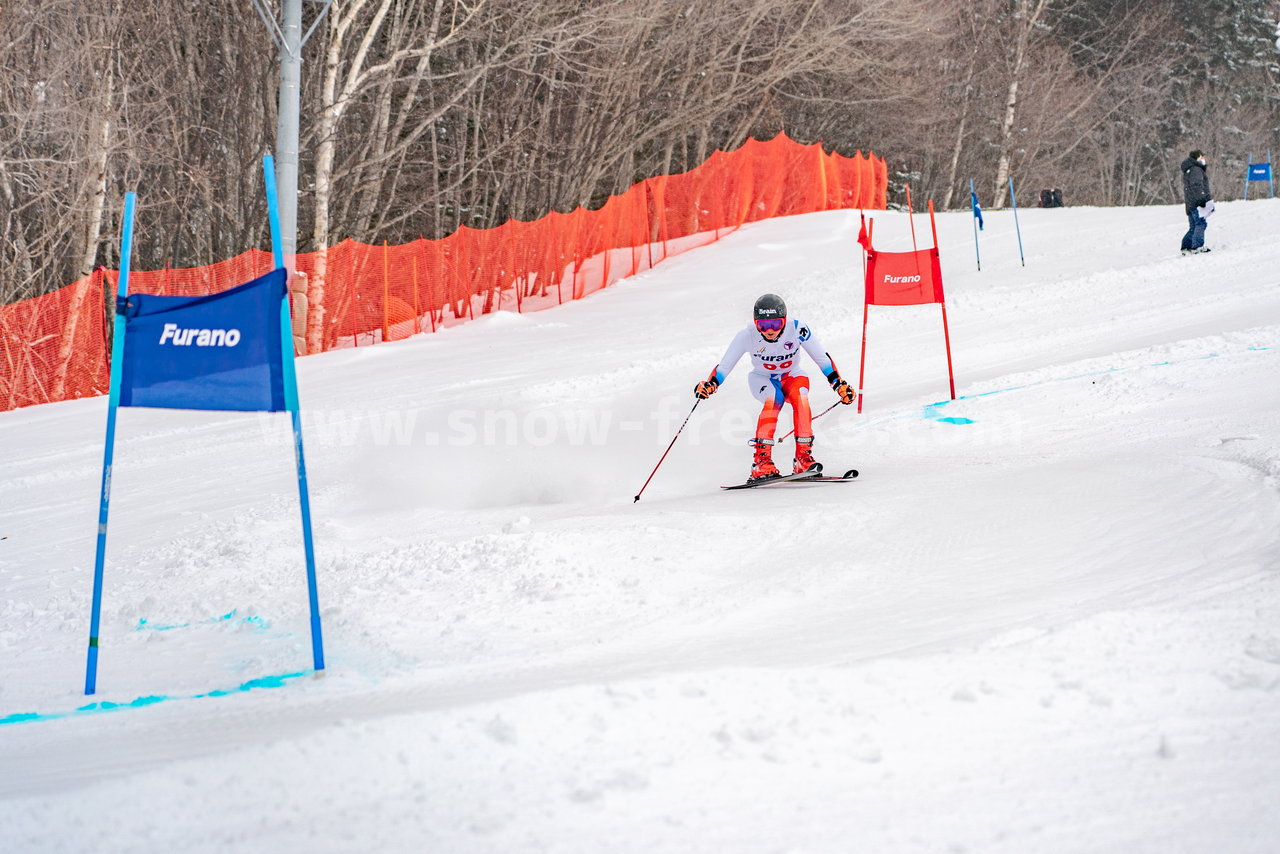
[1259, 171]
[218, 352]
[977, 208]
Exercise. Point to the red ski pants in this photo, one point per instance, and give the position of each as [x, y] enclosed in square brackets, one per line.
[774, 393]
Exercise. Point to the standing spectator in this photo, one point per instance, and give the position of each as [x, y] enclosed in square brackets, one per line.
[1198, 199]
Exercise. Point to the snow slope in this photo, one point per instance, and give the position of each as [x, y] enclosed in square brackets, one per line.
[1046, 618]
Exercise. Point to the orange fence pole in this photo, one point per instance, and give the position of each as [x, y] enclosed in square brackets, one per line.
[417, 312]
[386, 292]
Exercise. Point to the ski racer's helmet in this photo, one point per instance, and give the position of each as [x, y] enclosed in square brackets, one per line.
[769, 305]
[770, 314]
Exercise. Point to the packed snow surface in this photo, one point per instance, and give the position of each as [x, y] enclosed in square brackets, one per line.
[1046, 618]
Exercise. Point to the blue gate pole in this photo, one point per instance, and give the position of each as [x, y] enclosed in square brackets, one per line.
[1013, 198]
[1248, 173]
[1271, 182]
[108, 453]
[295, 413]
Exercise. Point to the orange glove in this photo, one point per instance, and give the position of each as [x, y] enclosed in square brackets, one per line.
[846, 392]
[705, 389]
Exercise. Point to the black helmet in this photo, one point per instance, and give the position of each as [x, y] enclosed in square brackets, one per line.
[769, 306]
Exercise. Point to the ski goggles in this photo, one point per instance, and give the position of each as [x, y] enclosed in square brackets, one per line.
[771, 324]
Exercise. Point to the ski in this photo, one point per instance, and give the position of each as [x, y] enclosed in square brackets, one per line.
[786, 478]
[843, 478]
[802, 478]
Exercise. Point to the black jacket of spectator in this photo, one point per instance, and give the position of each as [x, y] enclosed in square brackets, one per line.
[1195, 184]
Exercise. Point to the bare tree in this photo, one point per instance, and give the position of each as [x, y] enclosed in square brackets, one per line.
[426, 115]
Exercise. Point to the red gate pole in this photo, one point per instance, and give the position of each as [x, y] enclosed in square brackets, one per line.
[911, 217]
[862, 360]
[946, 331]
[946, 336]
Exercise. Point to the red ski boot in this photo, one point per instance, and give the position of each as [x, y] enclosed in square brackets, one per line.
[804, 460]
[762, 467]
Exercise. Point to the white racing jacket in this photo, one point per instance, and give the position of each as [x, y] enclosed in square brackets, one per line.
[775, 359]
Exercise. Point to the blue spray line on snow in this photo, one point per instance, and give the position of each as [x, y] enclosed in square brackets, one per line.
[108, 706]
[931, 411]
[257, 622]
[951, 420]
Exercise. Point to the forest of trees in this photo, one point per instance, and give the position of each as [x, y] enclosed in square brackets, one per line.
[423, 115]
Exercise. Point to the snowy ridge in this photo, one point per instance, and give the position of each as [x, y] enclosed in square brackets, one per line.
[1046, 618]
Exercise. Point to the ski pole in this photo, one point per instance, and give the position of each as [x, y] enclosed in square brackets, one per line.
[815, 418]
[668, 450]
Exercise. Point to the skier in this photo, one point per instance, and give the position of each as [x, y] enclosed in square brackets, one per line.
[774, 343]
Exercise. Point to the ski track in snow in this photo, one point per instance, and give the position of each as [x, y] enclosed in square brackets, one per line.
[1046, 618]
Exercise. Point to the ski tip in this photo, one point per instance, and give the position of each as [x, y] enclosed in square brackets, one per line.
[851, 473]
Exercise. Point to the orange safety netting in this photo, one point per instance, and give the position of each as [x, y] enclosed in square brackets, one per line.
[56, 346]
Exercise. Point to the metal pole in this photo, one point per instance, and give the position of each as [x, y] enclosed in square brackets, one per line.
[289, 38]
[287, 123]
